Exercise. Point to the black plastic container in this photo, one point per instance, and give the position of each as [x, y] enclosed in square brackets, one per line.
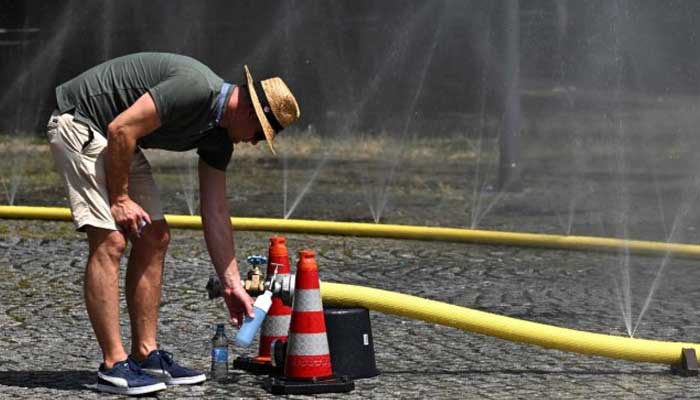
[350, 342]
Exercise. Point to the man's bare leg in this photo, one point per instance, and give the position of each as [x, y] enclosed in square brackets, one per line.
[101, 290]
[144, 278]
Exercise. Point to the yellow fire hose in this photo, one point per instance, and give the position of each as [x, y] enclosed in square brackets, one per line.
[401, 232]
[446, 314]
[551, 337]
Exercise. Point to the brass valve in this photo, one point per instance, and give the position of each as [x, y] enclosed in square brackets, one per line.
[255, 280]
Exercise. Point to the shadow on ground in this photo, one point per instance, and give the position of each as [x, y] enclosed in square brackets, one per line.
[60, 380]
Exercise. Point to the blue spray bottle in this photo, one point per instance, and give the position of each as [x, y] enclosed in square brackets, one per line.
[251, 325]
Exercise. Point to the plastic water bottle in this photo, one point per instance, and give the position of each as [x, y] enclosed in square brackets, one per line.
[219, 353]
[251, 325]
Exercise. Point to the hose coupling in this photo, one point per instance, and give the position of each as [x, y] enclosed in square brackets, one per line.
[282, 286]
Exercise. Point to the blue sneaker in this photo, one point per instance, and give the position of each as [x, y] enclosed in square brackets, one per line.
[126, 377]
[160, 365]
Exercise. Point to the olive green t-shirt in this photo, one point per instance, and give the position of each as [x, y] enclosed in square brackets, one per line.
[184, 91]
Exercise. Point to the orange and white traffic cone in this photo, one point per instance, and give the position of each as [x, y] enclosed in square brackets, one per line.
[307, 367]
[276, 324]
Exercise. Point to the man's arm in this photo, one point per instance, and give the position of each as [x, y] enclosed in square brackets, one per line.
[123, 132]
[218, 234]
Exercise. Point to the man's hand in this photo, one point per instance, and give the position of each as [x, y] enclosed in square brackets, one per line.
[239, 304]
[129, 216]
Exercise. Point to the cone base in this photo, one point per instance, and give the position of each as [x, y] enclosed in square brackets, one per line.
[256, 366]
[333, 384]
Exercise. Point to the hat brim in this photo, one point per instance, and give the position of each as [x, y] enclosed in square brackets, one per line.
[268, 131]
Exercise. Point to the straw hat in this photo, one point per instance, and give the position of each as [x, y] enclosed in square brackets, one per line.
[276, 108]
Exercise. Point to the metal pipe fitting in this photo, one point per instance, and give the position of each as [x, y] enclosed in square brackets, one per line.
[281, 286]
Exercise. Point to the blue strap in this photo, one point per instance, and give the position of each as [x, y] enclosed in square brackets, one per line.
[221, 101]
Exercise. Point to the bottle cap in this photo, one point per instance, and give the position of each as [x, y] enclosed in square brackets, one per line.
[264, 301]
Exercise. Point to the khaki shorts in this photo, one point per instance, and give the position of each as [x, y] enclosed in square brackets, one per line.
[81, 162]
